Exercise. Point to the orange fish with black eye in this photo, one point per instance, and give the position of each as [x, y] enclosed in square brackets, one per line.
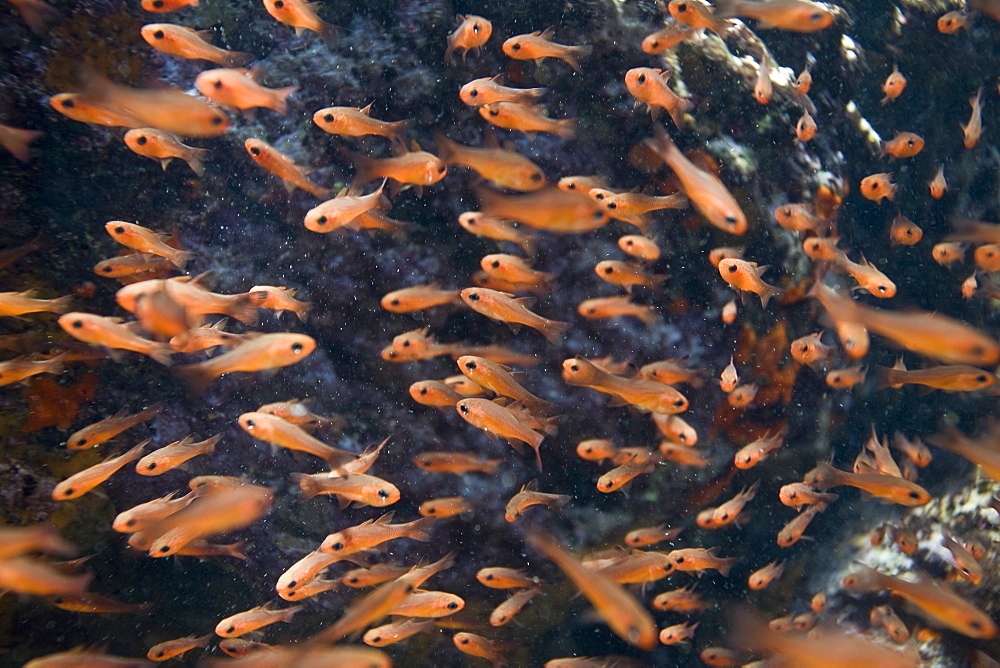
[645, 394]
[233, 88]
[700, 559]
[877, 187]
[764, 577]
[887, 487]
[754, 453]
[188, 43]
[168, 109]
[434, 393]
[458, 463]
[428, 604]
[529, 496]
[625, 275]
[515, 270]
[894, 85]
[78, 108]
[948, 253]
[283, 167]
[649, 86]
[622, 475]
[358, 122]
[974, 128]
[642, 248]
[703, 188]
[145, 240]
[171, 456]
[418, 298]
[526, 118]
[345, 210]
[796, 217]
[481, 225]
[253, 619]
[697, 14]
[479, 92]
[372, 533]
[503, 167]
[616, 307]
[472, 32]
[443, 507]
[411, 168]
[108, 332]
[499, 379]
[539, 45]
[903, 145]
[505, 422]
[952, 22]
[802, 16]
[745, 277]
[267, 351]
[504, 307]
[301, 15]
[868, 276]
[157, 145]
[904, 231]
[104, 430]
[821, 249]
[938, 185]
[167, 5]
[805, 129]
[667, 38]
[80, 483]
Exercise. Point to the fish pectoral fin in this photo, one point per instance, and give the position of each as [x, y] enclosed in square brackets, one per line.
[164, 162]
[514, 327]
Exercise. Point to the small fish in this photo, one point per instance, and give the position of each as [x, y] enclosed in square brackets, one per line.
[160, 146]
[17, 140]
[796, 217]
[479, 92]
[478, 646]
[418, 298]
[792, 532]
[135, 266]
[362, 489]
[80, 483]
[550, 209]
[145, 240]
[513, 606]
[506, 578]
[649, 86]
[21, 303]
[309, 589]
[411, 168]
[170, 649]
[803, 82]
[763, 89]
[443, 507]
[764, 577]
[539, 45]
[144, 515]
[220, 511]
[745, 277]
[456, 462]
[754, 453]
[504, 307]
[620, 477]
[616, 307]
[904, 231]
[622, 612]
[498, 379]
[640, 247]
[868, 276]
[233, 88]
[894, 85]
[20, 368]
[697, 14]
[885, 617]
[705, 191]
[699, 559]
[974, 128]
[526, 118]
[528, 496]
[279, 432]
[846, 378]
[108, 332]
[821, 249]
[376, 575]
[205, 337]
[301, 15]
[651, 535]
[891, 488]
[167, 5]
[472, 32]
[951, 22]
[283, 299]
[267, 351]
[303, 572]
[515, 270]
[962, 561]
[188, 43]
[677, 634]
[649, 395]
[507, 422]
[903, 145]
[372, 533]
[950, 378]
[396, 632]
[938, 185]
[877, 187]
[345, 210]
[625, 275]
[685, 601]
[805, 128]
[428, 604]
[358, 122]
[283, 167]
[26, 575]
[802, 16]
[503, 167]
[170, 457]
[434, 393]
[253, 619]
[948, 253]
[667, 38]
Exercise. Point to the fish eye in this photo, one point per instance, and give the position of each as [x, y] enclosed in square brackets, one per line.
[159, 655]
[495, 264]
[816, 17]
[68, 104]
[230, 629]
[574, 368]
[296, 347]
[882, 288]
[383, 494]
[474, 296]
[678, 403]
[406, 344]
[158, 34]
[217, 120]
[422, 391]
[489, 578]
[338, 546]
[494, 112]
[592, 311]
[981, 378]
[394, 302]
[119, 230]
[475, 28]
[464, 641]
[473, 93]
[279, 4]
[130, 523]
[321, 220]
[432, 510]
[732, 269]
[292, 584]
[515, 47]
[536, 177]
[141, 141]
[377, 639]
[442, 169]
[612, 206]
[641, 79]
[354, 580]
[151, 466]
[599, 197]
[409, 589]
[158, 3]
[164, 550]
[328, 118]
[255, 150]
[217, 84]
[680, 560]
[731, 219]
[609, 484]
[609, 270]
[452, 605]
[77, 324]
[914, 495]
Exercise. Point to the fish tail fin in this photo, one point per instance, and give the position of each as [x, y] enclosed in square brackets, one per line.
[531, 94]
[235, 550]
[398, 130]
[725, 9]
[304, 310]
[180, 258]
[236, 59]
[306, 484]
[281, 99]
[492, 466]
[891, 195]
[19, 141]
[208, 447]
[329, 32]
[769, 292]
[648, 316]
[244, 307]
[565, 128]
[196, 160]
[365, 170]
[136, 452]
[553, 330]
[727, 564]
[575, 54]
[61, 305]
[196, 376]
[419, 530]
[677, 113]
[162, 353]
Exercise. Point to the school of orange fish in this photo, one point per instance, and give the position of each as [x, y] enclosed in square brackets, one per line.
[176, 316]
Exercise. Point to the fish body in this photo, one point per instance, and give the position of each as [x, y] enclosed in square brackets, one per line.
[418, 298]
[526, 118]
[502, 167]
[301, 15]
[170, 457]
[188, 43]
[549, 209]
[802, 16]
[615, 307]
[974, 128]
[80, 483]
[233, 88]
[253, 619]
[358, 122]
[267, 351]
[361, 488]
[160, 146]
[744, 276]
[283, 167]
[472, 32]
[372, 533]
[649, 86]
[649, 395]
[109, 333]
[539, 45]
[344, 210]
[479, 92]
[22, 303]
[504, 307]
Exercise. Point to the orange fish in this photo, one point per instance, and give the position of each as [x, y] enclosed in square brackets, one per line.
[498, 379]
[283, 167]
[616, 307]
[796, 217]
[217, 512]
[637, 567]
[253, 619]
[705, 191]
[745, 277]
[396, 632]
[810, 349]
[428, 604]
[528, 496]
[974, 128]
[107, 332]
[667, 38]
[20, 368]
[479, 92]
[418, 298]
[498, 229]
[233, 88]
[904, 231]
[170, 649]
[134, 264]
[948, 253]
[504, 168]
[527, 119]
[685, 600]
[878, 187]
[950, 378]
[376, 575]
[762, 578]
[193, 297]
[868, 276]
[549, 209]
[171, 456]
[205, 337]
[167, 5]
[144, 515]
[80, 483]
[472, 32]
[301, 15]
[515, 270]
[302, 572]
[345, 210]
[504, 307]
[434, 393]
[821, 249]
[632, 207]
[160, 146]
[648, 395]
[16, 141]
[891, 488]
[639, 247]
[894, 85]
[792, 532]
[448, 506]
[146, 241]
[649, 85]
[678, 633]
[267, 351]
[952, 22]
[805, 129]
[884, 616]
[281, 433]
[938, 185]
[283, 299]
[78, 108]
[697, 14]
[801, 16]
[478, 646]
[506, 422]
[362, 489]
[625, 274]
[651, 535]
[539, 45]
[510, 608]
[763, 90]
[903, 145]
[675, 429]
[935, 601]
[754, 453]
[979, 451]
[372, 533]
[186, 42]
[622, 612]
[17, 541]
[962, 561]
[622, 475]
[506, 578]
[358, 122]
[699, 559]
[728, 512]
[416, 167]
[26, 575]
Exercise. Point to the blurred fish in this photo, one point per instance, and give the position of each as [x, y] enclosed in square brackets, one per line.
[526, 118]
[109, 333]
[80, 483]
[233, 88]
[472, 32]
[801, 16]
[479, 92]
[267, 351]
[301, 15]
[894, 85]
[284, 168]
[17, 140]
[503, 167]
[188, 43]
[170, 649]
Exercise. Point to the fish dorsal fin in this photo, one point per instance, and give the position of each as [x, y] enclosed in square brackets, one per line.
[526, 302]
[490, 138]
[760, 270]
[546, 34]
[343, 192]
[530, 486]
[385, 519]
[414, 146]
[206, 35]
[367, 109]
